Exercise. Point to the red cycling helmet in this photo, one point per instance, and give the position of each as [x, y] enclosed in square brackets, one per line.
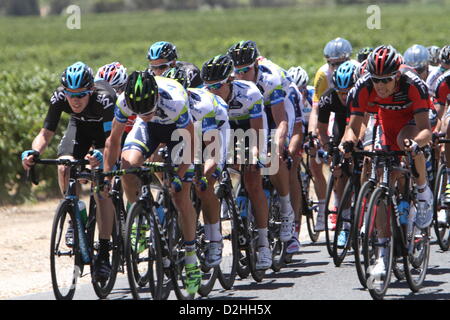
[384, 60]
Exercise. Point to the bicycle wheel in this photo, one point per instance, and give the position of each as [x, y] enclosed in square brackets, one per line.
[276, 245]
[229, 264]
[378, 283]
[251, 248]
[310, 205]
[344, 223]
[442, 230]
[243, 266]
[416, 262]
[329, 231]
[65, 261]
[209, 275]
[358, 229]
[103, 288]
[143, 253]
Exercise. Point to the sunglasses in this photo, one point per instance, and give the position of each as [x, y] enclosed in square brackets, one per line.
[383, 79]
[335, 64]
[244, 69]
[161, 66]
[215, 85]
[80, 95]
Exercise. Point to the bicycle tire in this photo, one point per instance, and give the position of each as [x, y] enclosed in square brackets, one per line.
[416, 262]
[358, 230]
[370, 243]
[243, 266]
[328, 232]
[227, 276]
[251, 251]
[310, 207]
[103, 289]
[347, 199]
[153, 274]
[442, 231]
[63, 211]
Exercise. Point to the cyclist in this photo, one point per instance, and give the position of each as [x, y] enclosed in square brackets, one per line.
[244, 112]
[434, 55]
[444, 59]
[334, 100]
[403, 103]
[273, 84]
[162, 55]
[91, 109]
[116, 75]
[363, 54]
[300, 77]
[417, 57]
[210, 115]
[162, 108]
[442, 96]
[336, 52]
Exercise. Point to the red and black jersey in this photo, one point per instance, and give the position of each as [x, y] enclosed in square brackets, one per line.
[442, 94]
[410, 97]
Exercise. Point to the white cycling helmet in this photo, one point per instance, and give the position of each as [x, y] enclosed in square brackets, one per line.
[299, 76]
[114, 73]
[416, 56]
[337, 49]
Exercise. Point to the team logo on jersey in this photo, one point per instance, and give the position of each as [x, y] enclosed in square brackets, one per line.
[105, 101]
[57, 96]
[395, 107]
[235, 104]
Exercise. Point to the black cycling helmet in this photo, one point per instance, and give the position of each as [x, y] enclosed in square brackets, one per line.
[217, 69]
[364, 53]
[193, 73]
[244, 52]
[141, 92]
[77, 76]
[384, 60]
[179, 75]
[162, 50]
[444, 55]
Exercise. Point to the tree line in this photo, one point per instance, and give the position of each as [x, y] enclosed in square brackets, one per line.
[33, 7]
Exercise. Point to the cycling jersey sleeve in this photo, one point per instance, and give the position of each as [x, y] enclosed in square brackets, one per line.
[357, 99]
[55, 110]
[442, 93]
[320, 85]
[121, 110]
[418, 95]
[325, 109]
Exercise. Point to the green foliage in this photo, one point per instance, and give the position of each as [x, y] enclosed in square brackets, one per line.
[35, 51]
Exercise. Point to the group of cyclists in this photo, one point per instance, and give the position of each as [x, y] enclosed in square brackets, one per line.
[382, 100]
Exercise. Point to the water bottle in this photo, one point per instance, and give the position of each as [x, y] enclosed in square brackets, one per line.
[403, 209]
[83, 212]
[160, 212]
[242, 203]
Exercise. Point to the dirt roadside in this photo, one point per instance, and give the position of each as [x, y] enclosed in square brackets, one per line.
[25, 248]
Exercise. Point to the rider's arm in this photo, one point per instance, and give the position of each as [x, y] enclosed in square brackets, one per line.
[279, 116]
[423, 124]
[113, 145]
[185, 166]
[324, 110]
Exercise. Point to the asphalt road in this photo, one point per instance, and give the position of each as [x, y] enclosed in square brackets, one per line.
[311, 276]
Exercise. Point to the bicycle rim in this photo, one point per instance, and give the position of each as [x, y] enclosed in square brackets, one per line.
[358, 229]
[442, 230]
[103, 289]
[416, 262]
[143, 254]
[65, 262]
[344, 224]
[329, 234]
[377, 285]
[228, 266]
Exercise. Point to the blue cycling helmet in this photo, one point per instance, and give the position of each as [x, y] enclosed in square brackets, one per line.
[162, 50]
[343, 77]
[77, 76]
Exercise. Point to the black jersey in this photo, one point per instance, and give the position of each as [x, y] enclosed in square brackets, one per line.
[330, 102]
[100, 108]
